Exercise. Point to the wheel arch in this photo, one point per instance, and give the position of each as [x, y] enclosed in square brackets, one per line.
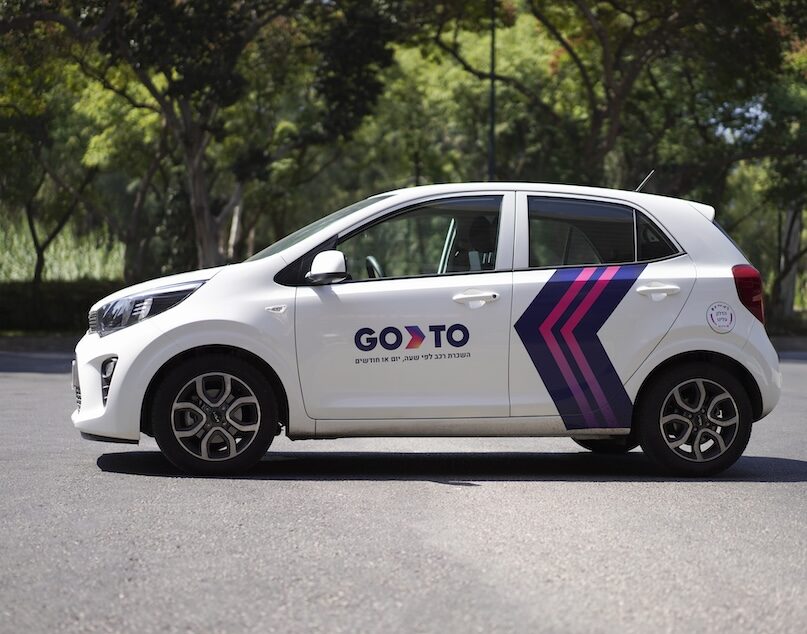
[715, 358]
[249, 357]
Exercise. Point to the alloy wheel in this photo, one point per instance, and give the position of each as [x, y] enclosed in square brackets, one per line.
[699, 420]
[215, 416]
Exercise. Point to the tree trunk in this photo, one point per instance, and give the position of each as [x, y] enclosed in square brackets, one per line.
[205, 225]
[251, 242]
[133, 260]
[134, 241]
[235, 232]
[783, 289]
[39, 267]
[791, 245]
[230, 215]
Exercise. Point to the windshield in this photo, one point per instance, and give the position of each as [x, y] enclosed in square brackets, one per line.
[308, 230]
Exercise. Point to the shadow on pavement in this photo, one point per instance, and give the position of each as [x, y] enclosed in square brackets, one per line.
[793, 357]
[461, 469]
[37, 363]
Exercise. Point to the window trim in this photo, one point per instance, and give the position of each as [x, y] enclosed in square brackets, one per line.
[678, 249]
[448, 243]
[579, 266]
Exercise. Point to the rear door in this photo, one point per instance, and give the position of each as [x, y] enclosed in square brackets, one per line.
[596, 285]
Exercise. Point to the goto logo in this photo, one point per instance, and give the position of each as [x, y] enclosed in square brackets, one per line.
[390, 338]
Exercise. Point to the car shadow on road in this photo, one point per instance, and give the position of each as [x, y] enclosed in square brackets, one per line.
[460, 469]
[46, 363]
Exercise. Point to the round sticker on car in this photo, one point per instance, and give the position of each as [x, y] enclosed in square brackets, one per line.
[721, 317]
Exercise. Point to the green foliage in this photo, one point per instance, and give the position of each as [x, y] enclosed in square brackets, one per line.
[59, 306]
[354, 47]
[233, 123]
[72, 256]
[195, 44]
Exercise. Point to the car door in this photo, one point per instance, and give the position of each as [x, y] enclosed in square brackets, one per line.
[421, 330]
[590, 302]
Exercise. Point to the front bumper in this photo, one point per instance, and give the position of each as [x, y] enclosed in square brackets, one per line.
[87, 436]
[117, 420]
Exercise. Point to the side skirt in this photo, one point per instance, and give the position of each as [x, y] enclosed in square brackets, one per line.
[527, 426]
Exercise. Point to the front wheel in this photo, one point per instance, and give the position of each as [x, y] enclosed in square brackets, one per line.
[695, 420]
[214, 415]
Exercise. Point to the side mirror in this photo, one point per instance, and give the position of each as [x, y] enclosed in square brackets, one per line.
[328, 267]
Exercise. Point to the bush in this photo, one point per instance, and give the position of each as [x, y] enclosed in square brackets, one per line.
[55, 306]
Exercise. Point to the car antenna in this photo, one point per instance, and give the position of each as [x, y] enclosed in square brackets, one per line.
[646, 178]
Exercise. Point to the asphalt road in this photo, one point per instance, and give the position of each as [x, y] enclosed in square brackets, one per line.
[439, 535]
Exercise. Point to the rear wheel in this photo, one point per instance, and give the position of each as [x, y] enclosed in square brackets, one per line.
[695, 420]
[617, 445]
[214, 414]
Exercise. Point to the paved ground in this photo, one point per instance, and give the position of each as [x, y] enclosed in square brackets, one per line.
[393, 535]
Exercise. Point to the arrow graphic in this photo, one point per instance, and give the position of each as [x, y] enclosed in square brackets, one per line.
[417, 337]
[560, 330]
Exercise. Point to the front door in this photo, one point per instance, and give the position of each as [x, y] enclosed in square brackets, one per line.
[421, 330]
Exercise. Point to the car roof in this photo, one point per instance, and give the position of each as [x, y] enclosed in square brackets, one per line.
[641, 199]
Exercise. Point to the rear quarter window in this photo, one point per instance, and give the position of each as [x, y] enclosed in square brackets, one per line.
[651, 243]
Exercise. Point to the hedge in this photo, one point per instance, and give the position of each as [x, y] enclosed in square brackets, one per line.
[52, 306]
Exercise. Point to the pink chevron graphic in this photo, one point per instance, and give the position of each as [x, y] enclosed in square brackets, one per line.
[567, 330]
[546, 332]
[417, 337]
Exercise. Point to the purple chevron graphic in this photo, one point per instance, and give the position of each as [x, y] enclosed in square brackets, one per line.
[559, 331]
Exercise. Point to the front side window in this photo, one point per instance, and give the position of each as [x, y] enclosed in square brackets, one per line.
[564, 232]
[451, 235]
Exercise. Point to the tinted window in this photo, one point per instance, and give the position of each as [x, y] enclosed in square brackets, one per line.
[453, 235]
[577, 232]
[651, 241]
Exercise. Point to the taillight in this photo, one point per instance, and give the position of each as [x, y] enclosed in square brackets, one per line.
[749, 289]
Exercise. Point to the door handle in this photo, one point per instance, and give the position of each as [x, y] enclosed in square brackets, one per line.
[474, 298]
[658, 291]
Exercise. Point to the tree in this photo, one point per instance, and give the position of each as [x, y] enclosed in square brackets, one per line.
[39, 131]
[607, 57]
[186, 56]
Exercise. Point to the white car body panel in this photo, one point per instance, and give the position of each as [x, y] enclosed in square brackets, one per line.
[305, 334]
[429, 381]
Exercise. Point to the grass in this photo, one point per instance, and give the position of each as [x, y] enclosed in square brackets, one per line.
[69, 257]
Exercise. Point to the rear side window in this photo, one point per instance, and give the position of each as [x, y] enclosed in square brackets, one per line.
[567, 232]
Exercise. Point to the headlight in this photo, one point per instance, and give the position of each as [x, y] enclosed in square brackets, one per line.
[135, 308]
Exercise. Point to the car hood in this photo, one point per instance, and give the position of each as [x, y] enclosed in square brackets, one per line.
[192, 276]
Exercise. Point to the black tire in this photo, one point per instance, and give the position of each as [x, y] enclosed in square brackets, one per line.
[617, 445]
[691, 381]
[228, 450]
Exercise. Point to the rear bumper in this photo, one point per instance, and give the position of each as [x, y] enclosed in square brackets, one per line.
[762, 361]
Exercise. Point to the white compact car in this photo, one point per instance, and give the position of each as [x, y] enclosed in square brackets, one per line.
[486, 309]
